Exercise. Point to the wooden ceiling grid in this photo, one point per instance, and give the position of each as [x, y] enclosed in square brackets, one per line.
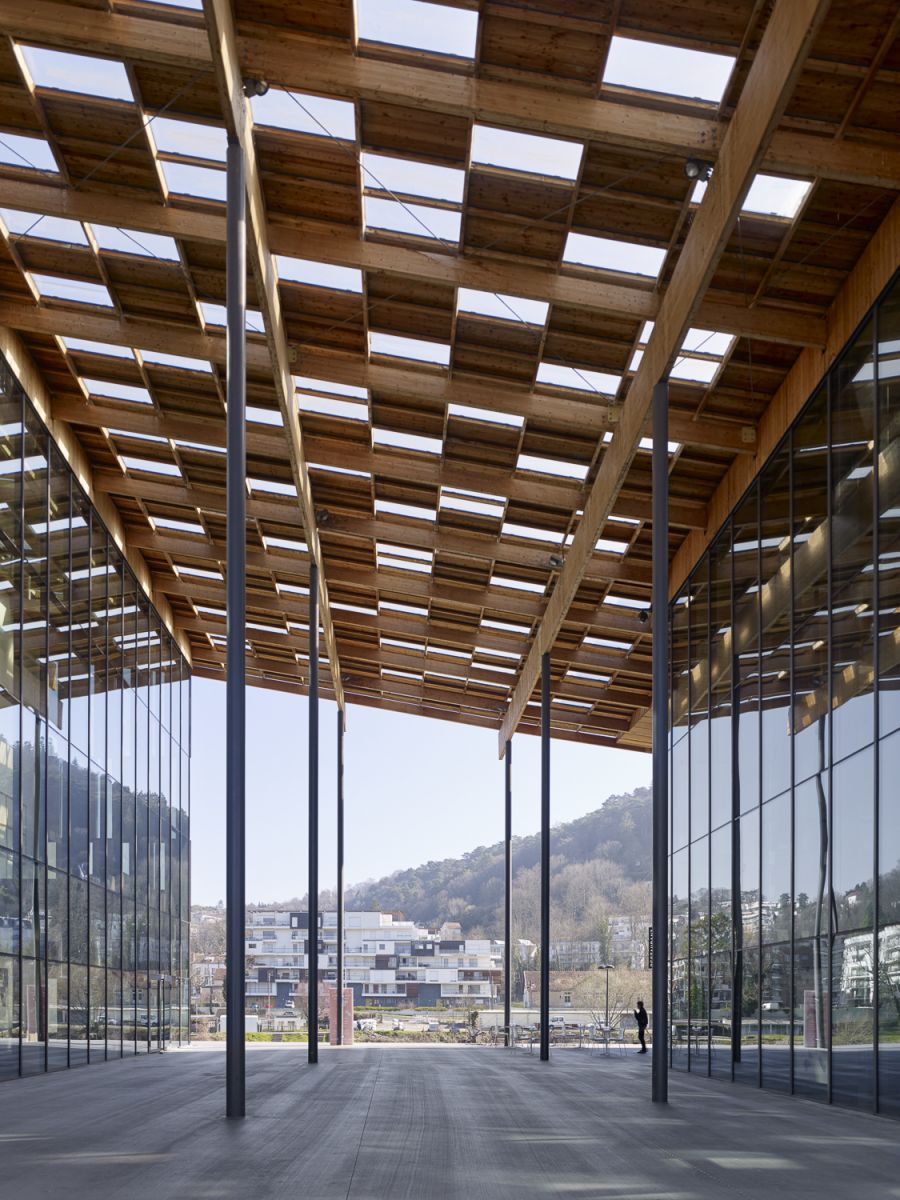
[439, 557]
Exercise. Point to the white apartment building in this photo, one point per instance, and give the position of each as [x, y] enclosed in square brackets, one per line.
[387, 962]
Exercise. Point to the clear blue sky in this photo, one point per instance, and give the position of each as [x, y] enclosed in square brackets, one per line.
[415, 789]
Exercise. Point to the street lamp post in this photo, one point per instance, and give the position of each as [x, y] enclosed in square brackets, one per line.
[607, 967]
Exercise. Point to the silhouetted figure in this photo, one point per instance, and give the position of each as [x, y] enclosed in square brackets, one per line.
[640, 1015]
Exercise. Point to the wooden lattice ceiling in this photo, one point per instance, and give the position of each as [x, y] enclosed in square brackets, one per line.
[445, 493]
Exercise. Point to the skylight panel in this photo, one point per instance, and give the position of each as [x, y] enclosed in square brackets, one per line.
[580, 379]
[117, 391]
[197, 572]
[282, 543]
[419, 25]
[773, 196]
[325, 385]
[706, 341]
[407, 177]
[406, 441]
[333, 406]
[628, 258]
[527, 531]
[551, 466]
[138, 437]
[401, 563]
[133, 241]
[301, 113]
[76, 345]
[672, 70]
[608, 643]
[318, 274]
[54, 287]
[695, 370]
[272, 486]
[81, 73]
[203, 447]
[19, 150]
[178, 526]
[625, 602]
[217, 314]
[646, 330]
[394, 508]
[178, 361]
[417, 220]
[404, 347]
[526, 152]
[189, 139]
[485, 414]
[263, 416]
[148, 464]
[185, 179]
[520, 585]
[407, 551]
[314, 466]
[52, 229]
[479, 503]
[501, 307]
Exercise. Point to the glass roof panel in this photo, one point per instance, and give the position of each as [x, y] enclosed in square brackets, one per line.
[526, 152]
[438, 28]
[672, 70]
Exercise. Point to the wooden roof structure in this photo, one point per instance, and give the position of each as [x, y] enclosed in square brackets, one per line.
[471, 260]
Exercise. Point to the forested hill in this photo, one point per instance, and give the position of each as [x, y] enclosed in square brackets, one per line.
[600, 867]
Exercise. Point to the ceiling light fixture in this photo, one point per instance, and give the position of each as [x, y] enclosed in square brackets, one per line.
[697, 168]
[255, 87]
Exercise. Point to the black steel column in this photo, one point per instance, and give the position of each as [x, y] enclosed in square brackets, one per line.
[236, 286]
[507, 898]
[545, 857]
[313, 906]
[660, 724]
[340, 878]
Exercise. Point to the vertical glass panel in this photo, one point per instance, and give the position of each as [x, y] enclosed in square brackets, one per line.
[34, 785]
[776, 870]
[58, 600]
[78, 1014]
[96, 821]
[853, 851]
[680, 721]
[745, 556]
[78, 920]
[34, 909]
[698, 617]
[852, 548]
[80, 625]
[722, 650]
[57, 916]
[680, 952]
[34, 589]
[99, 606]
[889, 928]
[9, 902]
[852, 1020]
[888, 461]
[699, 961]
[775, 624]
[57, 800]
[746, 932]
[810, 1011]
[114, 1003]
[810, 550]
[10, 717]
[57, 1016]
[9, 1016]
[78, 801]
[722, 962]
[775, 1016]
[34, 1032]
[11, 445]
[114, 666]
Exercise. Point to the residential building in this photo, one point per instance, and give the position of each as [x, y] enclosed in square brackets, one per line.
[388, 962]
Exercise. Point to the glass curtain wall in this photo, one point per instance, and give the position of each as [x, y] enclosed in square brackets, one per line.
[785, 755]
[94, 737]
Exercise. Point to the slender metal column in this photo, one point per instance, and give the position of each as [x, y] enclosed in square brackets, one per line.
[340, 877]
[660, 722]
[236, 286]
[545, 857]
[507, 898]
[313, 906]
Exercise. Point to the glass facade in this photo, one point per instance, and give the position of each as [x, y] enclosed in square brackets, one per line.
[94, 778]
[785, 757]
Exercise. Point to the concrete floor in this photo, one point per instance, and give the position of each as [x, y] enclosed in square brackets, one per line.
[427, 1123]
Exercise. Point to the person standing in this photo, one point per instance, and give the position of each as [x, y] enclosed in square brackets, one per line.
[640, 1015]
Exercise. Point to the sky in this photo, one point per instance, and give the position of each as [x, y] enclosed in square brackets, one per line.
[415, 789]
